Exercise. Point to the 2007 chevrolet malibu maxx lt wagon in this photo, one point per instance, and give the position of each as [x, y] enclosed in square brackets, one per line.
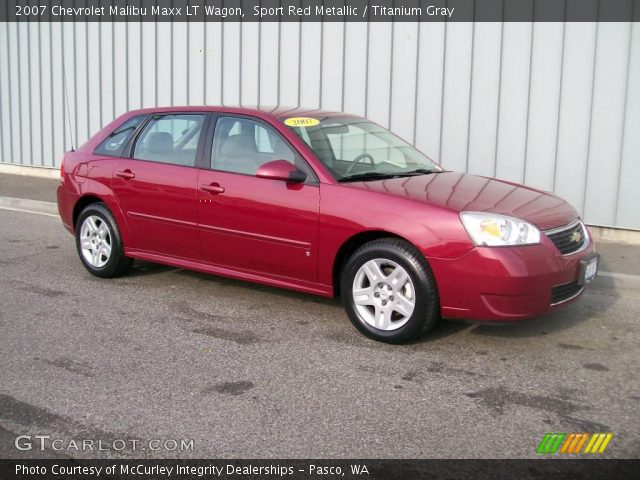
[324, 203]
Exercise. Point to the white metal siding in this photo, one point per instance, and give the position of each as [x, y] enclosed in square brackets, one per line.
[552, 105]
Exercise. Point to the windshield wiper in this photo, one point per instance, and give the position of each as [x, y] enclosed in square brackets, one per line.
[367, 176]
[419, 171]
[378, 175]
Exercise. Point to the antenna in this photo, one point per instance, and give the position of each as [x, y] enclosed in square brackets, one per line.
[66, 101]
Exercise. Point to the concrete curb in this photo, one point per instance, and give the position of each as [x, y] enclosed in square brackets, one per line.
[614, 235]
[30, 206]
[29, 171]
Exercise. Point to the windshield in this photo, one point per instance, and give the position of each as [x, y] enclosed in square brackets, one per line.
[355, 148]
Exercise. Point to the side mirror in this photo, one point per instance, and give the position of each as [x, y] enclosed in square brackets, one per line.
[281, 170]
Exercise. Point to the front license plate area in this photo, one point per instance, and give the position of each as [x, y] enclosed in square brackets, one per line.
[588, 269]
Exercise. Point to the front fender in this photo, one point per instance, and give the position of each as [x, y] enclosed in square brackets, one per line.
[345, 212]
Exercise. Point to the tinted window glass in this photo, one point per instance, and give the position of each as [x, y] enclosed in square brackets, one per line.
[114, 144]
[170, 139]
[241, 145]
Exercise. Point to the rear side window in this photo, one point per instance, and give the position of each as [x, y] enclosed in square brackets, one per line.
[115, 143]
[170, 139]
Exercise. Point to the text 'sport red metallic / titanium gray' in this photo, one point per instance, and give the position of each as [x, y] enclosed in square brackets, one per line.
[324, 203]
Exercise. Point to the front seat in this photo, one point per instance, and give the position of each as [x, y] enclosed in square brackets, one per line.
[238, 154]
[159, 146]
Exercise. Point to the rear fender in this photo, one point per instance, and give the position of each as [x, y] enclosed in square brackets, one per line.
[97, 184]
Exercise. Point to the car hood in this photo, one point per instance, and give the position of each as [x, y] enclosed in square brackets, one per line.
[465, 192]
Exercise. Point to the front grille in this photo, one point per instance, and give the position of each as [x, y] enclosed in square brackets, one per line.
[561, 293]
[569, 239]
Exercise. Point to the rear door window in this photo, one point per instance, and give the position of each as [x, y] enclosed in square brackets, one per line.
[170, 139]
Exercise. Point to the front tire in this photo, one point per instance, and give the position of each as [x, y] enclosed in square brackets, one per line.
[389, 292]
[99, 243]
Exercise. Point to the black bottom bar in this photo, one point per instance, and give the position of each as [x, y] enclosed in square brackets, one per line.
[69, 469]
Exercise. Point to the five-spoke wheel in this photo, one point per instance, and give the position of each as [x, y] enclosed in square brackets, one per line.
[389, 292]
[95, 241]
[99, 243]
[384, 294]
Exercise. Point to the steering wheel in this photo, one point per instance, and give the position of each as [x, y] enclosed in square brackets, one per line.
[357, 160]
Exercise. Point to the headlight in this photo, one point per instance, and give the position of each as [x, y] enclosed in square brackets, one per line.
[492, 230]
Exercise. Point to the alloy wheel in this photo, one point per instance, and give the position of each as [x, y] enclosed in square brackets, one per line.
[95, 241]
[383, 294]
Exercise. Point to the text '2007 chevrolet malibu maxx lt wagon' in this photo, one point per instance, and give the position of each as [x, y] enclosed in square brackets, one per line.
[324, 203]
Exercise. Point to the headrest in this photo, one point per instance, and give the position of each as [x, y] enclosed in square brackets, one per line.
[160, 142]
[238, 145]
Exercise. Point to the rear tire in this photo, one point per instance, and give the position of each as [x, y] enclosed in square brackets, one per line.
[389, 292]
[99, 243]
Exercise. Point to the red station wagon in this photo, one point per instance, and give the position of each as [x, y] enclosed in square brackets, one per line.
[324, 203]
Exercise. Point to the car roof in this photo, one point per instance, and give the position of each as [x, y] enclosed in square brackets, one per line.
[261, 111]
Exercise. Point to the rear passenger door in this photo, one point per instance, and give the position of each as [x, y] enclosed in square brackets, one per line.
[156, 186]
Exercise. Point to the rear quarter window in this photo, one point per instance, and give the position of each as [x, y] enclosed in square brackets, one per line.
[115, 143]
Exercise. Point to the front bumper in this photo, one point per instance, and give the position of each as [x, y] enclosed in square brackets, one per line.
[508, 283]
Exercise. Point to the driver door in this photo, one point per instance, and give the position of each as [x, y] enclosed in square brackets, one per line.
[253, 224]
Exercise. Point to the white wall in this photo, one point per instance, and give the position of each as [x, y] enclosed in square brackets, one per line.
[552, 105]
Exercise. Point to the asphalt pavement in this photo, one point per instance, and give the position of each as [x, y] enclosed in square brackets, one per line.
[251, 371]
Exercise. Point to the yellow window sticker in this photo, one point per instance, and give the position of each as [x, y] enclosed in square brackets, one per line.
[301, 122]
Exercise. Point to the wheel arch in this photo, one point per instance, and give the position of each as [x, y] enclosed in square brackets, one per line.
[81, 204]
[351, 245]
[90, 198]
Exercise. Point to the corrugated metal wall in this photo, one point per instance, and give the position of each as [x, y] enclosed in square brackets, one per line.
[552, 105]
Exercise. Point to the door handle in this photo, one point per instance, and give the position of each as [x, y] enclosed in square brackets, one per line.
[213, 189]
[126, 174]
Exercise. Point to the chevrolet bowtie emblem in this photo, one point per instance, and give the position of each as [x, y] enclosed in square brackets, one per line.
[576, 237]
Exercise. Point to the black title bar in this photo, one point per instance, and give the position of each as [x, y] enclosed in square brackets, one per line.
[320, 10]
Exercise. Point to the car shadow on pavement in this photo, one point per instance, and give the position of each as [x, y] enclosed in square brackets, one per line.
[446, 328]
[443, 329]
[589, 305]
[143, 269]
[256, 287]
